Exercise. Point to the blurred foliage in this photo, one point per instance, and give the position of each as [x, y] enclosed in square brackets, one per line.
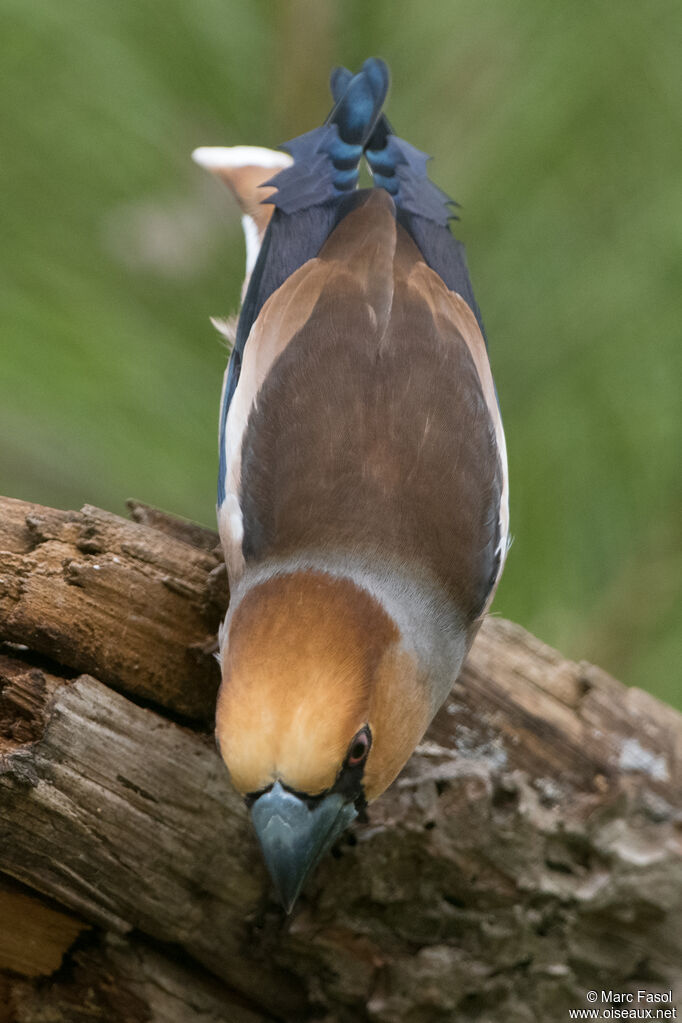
[559, 129]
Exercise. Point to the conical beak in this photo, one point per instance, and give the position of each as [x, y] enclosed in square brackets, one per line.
[294, 838]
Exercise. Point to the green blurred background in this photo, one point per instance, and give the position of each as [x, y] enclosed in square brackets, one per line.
[559, 129]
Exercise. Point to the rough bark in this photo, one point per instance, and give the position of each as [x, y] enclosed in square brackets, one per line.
[531, 850]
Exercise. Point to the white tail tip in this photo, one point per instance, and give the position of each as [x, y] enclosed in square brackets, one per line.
[217, 158]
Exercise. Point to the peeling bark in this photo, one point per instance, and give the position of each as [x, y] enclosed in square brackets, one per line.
[121, 600]
[530, 851]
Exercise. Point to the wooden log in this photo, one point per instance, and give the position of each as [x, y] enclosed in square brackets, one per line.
[121, 600]
[530, 851]
[129, 819]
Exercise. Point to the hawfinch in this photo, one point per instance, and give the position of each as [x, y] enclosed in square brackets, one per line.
[362, 493]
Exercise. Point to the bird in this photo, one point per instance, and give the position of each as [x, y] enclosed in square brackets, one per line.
[363, 486]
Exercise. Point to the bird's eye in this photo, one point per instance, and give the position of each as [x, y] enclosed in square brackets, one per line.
[359, 748]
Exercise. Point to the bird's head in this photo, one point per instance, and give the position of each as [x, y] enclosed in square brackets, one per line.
[320, 707]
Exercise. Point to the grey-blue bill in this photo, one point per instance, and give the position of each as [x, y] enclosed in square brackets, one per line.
[294, 836]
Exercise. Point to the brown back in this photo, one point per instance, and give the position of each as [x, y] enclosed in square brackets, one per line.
[371, 430]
